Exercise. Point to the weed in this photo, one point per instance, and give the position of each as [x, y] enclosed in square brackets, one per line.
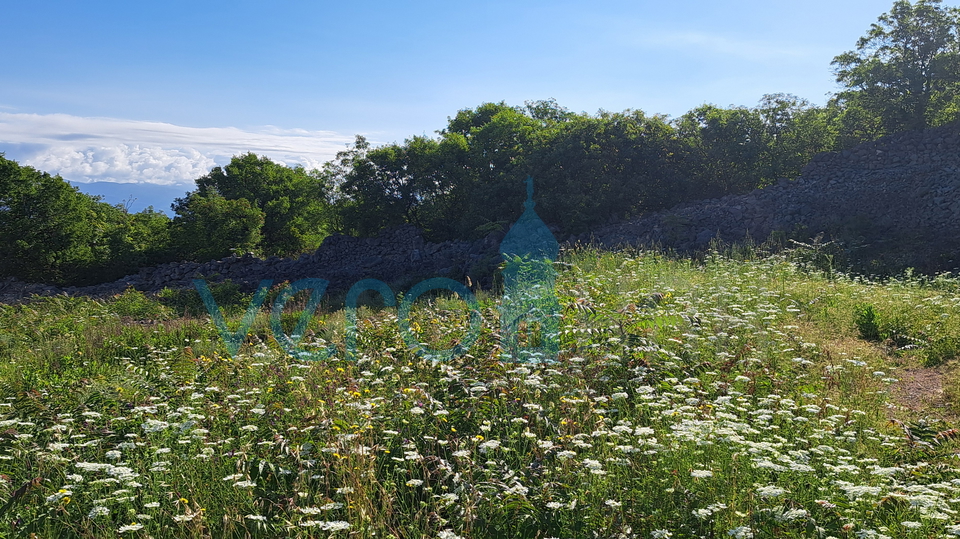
[732, 397]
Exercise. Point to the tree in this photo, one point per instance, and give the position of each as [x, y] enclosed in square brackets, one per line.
[51, 232]
[904, 73]
[458, 186]
[721, 150]
[498, 140]
[211, 226]
[133, 240]
[45, 227]
[294, 202]
[590, 169]
[796, 131]
[383, 187]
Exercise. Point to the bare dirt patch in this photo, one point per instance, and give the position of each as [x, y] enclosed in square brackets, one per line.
[921, 391]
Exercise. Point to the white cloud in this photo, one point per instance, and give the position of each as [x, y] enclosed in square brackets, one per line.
[109, 149]
[122, 163]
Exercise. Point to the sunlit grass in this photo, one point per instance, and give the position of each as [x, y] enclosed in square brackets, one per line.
[717, 399]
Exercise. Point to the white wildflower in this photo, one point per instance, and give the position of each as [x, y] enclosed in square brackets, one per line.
[98, 511]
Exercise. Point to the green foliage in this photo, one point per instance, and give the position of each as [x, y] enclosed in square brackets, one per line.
[211, 226]
[626, 155]
[941, 349]
[135, 304]
[891, 326]
[865, 317]
[50, 232]
[137, 240]
[817, 255]
[293, 203]
[795, 131]
[45, 225]
[927, 328]
[904, 73]
[187, 301]
[720, 398]
[722, 149]
[588, 168]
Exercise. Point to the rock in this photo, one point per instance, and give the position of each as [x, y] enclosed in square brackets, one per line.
[899, 191]
[704, 237]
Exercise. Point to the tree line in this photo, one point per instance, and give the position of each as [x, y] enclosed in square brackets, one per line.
[51, 232]
[466, 181]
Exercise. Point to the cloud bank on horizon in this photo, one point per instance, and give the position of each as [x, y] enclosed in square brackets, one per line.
[84, 149]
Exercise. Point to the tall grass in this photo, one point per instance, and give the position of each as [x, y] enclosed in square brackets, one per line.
[734, 398]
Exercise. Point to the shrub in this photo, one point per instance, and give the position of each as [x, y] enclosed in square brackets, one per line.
[867, 321]
[228, 295]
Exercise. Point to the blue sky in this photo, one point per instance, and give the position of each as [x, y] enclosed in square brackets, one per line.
[160, 92]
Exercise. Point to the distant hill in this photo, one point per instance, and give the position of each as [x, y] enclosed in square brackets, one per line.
[139, 195]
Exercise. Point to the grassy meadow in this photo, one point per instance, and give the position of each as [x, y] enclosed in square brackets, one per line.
[726, 397]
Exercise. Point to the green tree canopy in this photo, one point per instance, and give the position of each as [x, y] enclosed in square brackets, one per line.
[795, 132]
[721, 150]
[211, 226]
[904, 73]
[292, 200]
[588, 168]
[51, 232]
[450, 186]
[134, 240]
[44, 224]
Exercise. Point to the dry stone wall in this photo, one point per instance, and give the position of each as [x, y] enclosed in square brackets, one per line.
[896, 198]
[397, 256]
